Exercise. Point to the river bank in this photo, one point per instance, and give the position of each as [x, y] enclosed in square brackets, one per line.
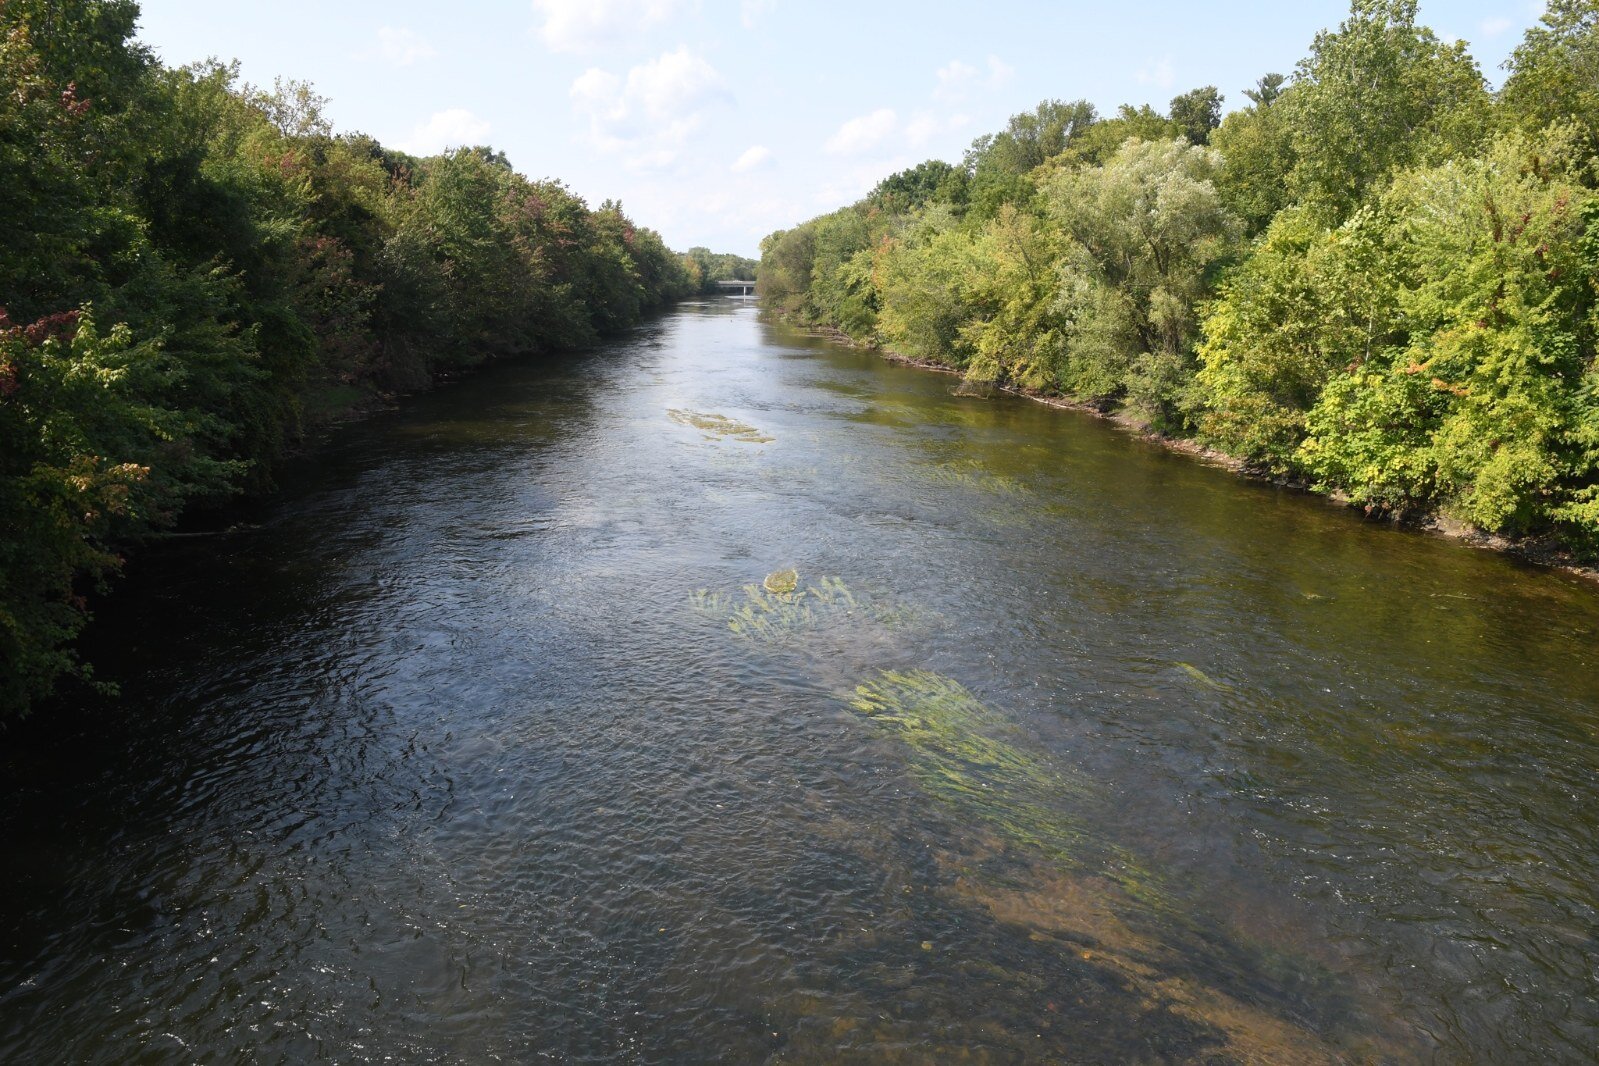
[1538, 551]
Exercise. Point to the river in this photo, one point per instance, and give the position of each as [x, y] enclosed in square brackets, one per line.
[486, 743]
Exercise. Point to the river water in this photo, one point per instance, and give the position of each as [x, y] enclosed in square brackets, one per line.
[488, 744]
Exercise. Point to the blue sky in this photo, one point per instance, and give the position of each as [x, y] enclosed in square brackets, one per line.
[717, 121]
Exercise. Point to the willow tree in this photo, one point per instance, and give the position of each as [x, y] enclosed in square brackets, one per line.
[1142, 236]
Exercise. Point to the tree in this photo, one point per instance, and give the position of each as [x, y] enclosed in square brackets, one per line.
[1266, 91]
[1257, 148]
[1030, 138]
[787, 257]
[1196, 113]
[1378, 94]
[189, 266]
[1308, 302]
[934, 181]
[1554, 72]
[1015, 332]
[1477, 407]
[1143, 235]
[921, 279]
[1104, 138]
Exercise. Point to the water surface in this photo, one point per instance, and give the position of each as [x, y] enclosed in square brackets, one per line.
[488, 745]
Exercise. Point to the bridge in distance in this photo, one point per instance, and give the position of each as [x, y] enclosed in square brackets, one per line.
[737, 288]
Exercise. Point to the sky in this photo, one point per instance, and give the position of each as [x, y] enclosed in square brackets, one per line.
[716, 122]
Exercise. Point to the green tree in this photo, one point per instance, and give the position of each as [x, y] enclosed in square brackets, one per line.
[1257, 148]
[1378, 94]
[1001, 164]
[1014, 333]
[1479, 407]
[1144, 234]
[1307, 303]
[1554, 72]
[1104, 138]
[934, 181]
[921, 278]
[1030, 138]
[76, 448]
[787, 257]
[1196, 113]
[1266, 91]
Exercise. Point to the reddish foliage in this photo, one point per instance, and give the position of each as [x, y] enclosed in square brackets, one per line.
[70, 102]
[62, 326]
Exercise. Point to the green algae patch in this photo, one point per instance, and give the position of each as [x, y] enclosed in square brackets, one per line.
[781, 609]
[719, 427]
[774, 616]
[781, 582]
[1200, 677]
[962, 758]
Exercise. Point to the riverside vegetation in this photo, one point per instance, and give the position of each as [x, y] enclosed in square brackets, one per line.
[193, 270]
[1378, 278]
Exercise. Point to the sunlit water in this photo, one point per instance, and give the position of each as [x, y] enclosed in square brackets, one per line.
[1063, 748]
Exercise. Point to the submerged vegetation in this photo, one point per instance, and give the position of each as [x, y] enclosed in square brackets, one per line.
[193, 270]
[716, 427]
[962, 757]
[1020, 848]
[777, 610]
[1378, 277]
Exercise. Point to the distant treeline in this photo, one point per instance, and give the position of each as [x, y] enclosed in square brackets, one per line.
[1377, 277]
[708, 268]
[191, 269]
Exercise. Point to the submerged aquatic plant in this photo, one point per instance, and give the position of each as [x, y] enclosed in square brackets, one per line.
[709, 601]
[962, 758]
[973, 475]
[1202, 678]
[769, 614]
[1088, 897]
[779, 609]
[716, 427]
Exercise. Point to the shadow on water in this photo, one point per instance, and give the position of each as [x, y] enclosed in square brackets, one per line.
[726, 694]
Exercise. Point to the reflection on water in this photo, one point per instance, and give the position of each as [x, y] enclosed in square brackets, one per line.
[726, 695]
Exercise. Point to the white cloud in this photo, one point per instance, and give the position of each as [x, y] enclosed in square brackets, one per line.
[453, 128]
[753, 10]
[750, 209]
[755, 156]
[584, 25]
[926, 125]
[958, 80]
[954, 80]
[862, 133]
[402, 47]
[672, 84]
[652, 159]
[1158, 73]
[598, 94]
[922, 128]
[1494, 27]
[651, 112]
